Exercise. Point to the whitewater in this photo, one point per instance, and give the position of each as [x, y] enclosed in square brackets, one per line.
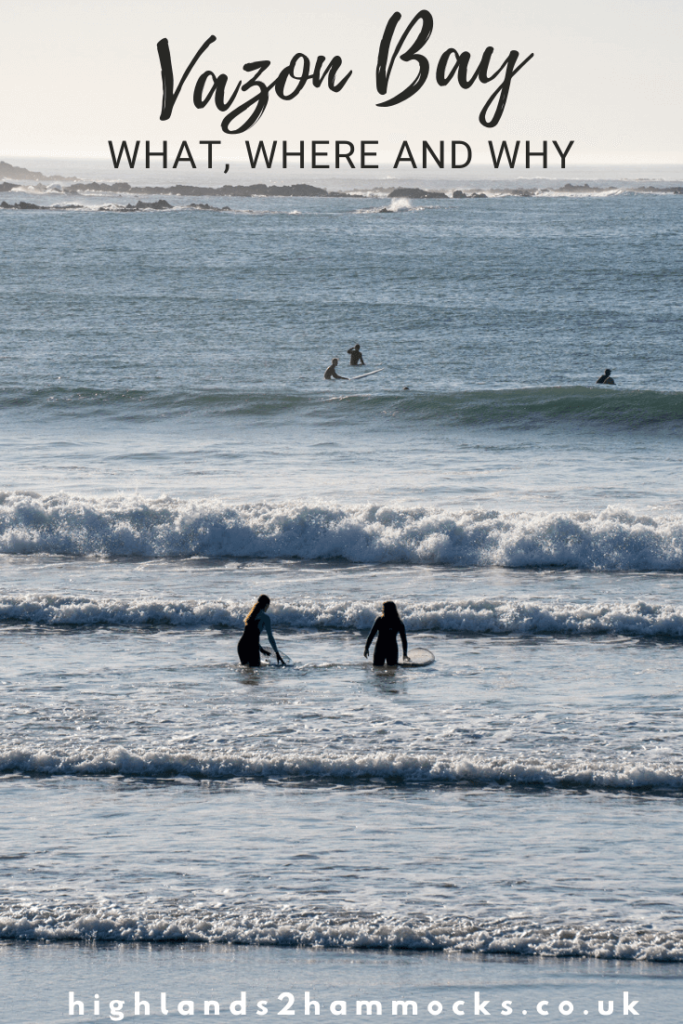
[639, 619]
[614, 539]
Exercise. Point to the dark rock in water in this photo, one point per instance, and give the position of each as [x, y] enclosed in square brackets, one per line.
[160, 204]
[206, 206]
[296, 190]
[223, 190]
[673, 189]
[581, 188]
[101, 186]
[22, 206]
[7, 186]
[415, 193]
[51, 208]
[246, 190]
[477, 195]
[195, 190]
[458, 194]
[34, 206]
[258, 189]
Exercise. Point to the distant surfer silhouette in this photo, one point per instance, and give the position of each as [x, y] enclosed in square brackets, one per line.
[387, 625]
[249, 648]
[331, 372]
[606, 378]
[356, 356]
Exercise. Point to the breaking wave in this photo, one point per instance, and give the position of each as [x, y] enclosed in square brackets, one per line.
[614, 539]
[300, 765]
[211, 921]
[637, 619]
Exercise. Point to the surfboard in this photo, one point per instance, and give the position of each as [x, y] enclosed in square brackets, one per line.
[370, 374]
[418, 658]
[269, 654]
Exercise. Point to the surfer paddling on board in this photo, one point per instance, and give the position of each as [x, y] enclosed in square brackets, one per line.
[606, 378]
[356, 356]
[387, 625]
[249, 648]
[331, 372]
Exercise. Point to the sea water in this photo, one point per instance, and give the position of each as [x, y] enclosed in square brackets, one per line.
[506, 821]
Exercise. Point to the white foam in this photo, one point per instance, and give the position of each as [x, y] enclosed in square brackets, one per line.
[474, 616]
[127, 526]
[320, 927]
[354, 768]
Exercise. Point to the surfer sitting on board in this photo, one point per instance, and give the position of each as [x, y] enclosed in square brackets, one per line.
[387, 626]
[356, 356]
[248, 648]
[331, 372]
[606, 378]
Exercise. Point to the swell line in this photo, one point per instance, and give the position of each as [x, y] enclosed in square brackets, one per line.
[523, 406]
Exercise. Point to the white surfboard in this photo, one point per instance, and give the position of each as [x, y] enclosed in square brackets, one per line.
[418, 658]
[268, 653]
[370, 374]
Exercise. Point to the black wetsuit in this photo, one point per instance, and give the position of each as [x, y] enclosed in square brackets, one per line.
[248, 647]
[356, 357]
[604, 379]
[386, 648]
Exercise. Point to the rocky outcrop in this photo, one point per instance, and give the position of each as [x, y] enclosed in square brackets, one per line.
[415, 193]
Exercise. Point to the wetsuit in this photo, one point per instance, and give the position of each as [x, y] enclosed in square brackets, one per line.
[386, 648]
[604, 379]
[356, 357]
[248, 648]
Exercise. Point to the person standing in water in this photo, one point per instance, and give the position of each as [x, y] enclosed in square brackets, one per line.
[387, 625]
[249, 648]
[331, 372]
[356, 356]
[606, 378]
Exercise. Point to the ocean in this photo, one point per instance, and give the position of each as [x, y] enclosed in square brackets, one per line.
[501, 825]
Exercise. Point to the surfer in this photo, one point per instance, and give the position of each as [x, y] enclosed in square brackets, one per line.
[356, 356]
[249, 648]
[387, 625]
[606, 378]
[331, 372]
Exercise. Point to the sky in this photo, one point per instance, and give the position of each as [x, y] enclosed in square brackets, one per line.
[606, 74]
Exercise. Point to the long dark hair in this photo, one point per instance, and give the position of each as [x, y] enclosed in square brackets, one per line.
[390, 612]
[260, 606]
